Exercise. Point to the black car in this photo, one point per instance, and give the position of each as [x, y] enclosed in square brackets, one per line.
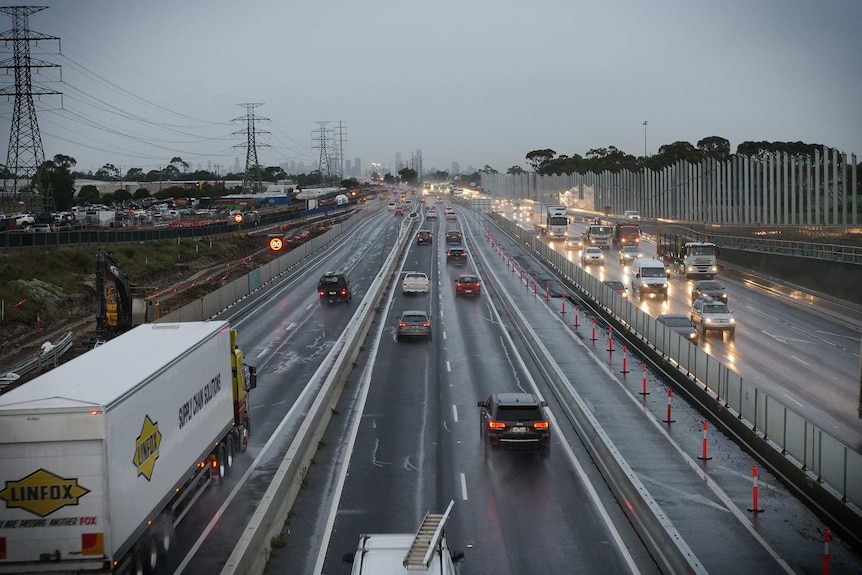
[708, 287]
[424, 237]
[514, 421]
[334, 287]
[456, 256]
[453, 237]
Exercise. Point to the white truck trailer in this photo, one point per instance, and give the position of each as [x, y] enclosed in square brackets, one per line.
[101, 457]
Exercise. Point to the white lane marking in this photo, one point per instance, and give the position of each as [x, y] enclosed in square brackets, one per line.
[444, 335]
[262, 353]
[278, 402]
[784, 340]
[829, 333]
[793, 400]
[309, 306]
[455, 412]
[463, 487]
[290, 327]
[800, 361]
[448, 367]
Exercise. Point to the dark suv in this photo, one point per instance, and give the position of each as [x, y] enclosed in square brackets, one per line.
[514, 421]
[424, 237]
[453, 237]
[334, 287]
[456, 256]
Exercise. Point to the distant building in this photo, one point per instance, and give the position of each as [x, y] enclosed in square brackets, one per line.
[357, 166]
[348, 169]
[456, 169]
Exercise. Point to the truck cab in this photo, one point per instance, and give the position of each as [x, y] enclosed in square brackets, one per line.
[426, 551]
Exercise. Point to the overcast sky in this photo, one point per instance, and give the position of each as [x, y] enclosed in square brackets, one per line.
[474, 81]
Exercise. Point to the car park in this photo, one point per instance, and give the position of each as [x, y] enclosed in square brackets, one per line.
[514, 421]
[424, 237]
[617, 286]
[708, 315]
[456, 256]
[467, 284]
[334, 287]
[413, 323]
[709, 288]
[679, 323]
[628, 254]
[453, 237]
[592, 255]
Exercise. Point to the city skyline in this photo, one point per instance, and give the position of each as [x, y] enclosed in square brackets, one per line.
[570, 77]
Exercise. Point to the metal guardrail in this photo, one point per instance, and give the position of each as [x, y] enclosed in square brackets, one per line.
[47, 358]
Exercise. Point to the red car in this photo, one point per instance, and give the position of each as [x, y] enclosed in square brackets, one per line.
[467, 285]
[398, 212]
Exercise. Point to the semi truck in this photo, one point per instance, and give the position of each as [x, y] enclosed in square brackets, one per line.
[685, 251]
[597, 235]
[556, 222]
[626, 234]
[101, 457]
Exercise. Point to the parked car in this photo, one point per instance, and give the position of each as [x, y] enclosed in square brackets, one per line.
[709, 288]
[334, 287]
[467, 285]
[679, 323]
[413, 323]
[514, 421]
[592, 255]
[712, 315]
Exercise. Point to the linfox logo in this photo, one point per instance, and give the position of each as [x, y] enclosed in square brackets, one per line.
[42, 493]
[147, 447]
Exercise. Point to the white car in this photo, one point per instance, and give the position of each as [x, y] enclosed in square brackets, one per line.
[414, 282]
[592, 255]
[632, 215]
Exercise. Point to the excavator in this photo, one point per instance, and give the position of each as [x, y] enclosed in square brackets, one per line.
[120, 306]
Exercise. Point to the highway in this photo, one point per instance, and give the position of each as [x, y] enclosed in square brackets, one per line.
[404, 438]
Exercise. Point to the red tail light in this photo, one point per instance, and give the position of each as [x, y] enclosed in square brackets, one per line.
[540, 425]
[321, 294]
[426, 324]
[496, 425]
[344, 292]
[402, 324]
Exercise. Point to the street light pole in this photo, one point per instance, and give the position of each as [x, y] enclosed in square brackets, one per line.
[645, 125]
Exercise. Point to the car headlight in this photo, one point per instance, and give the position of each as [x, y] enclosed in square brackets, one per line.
[692, 335]
[732, 321]
[714, 269]
[708, 320]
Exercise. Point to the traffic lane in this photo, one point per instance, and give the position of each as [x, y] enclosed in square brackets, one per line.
[393, 474]
[516, 509]
[294, 333]
[705, 508]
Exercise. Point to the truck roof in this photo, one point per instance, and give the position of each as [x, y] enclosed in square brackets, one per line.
[104, 375]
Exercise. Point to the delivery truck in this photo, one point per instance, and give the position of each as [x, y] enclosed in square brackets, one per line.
[101, 457]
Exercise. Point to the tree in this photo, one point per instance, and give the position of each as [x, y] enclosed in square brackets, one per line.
[389, 179]
[88, 194]
[55, 177]
[515, 170]
[121, 196]
[108, 172]
[488, 170]
[408, 175]
[350, 183]
[538, 157]
[134, 174]
[171, 172]
[715, 147]
[274, 174]
[178, 163]
[669, 154]
[141, 193]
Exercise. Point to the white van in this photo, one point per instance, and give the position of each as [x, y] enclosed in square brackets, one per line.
[649, 278]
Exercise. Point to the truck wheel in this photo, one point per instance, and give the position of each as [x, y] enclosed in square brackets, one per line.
[245, 432]
[221, 457]
[229, 448]
[165, 534]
